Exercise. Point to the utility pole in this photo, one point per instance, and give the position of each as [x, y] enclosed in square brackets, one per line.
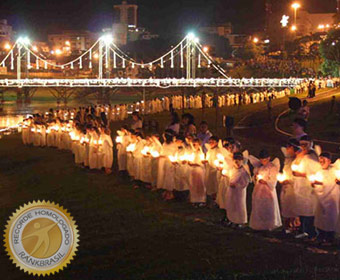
[19, 62]
[100, 61]
[188, 57]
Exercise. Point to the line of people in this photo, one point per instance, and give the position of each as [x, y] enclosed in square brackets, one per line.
[218, 171]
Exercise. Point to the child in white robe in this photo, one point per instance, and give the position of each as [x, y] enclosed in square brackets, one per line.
[327, 206]
[236, 205]
[166, 169]
[287, 195]
[122, 141]
[156, 150]
[107, 145]
[265, 213]
[198, 194]
[211, 182]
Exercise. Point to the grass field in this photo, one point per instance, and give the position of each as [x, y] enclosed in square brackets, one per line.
[133, 234]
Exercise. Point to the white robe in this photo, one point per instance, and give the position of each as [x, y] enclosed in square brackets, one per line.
[287, 195]
[327, 206]
[166, 170]
[107, 150]
[305, 200]
[198, 192]
[236, 204]
[265, 213]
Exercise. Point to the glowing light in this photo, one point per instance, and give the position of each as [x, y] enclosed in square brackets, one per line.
[119, 139]
[7, 46]
[296, 6]
[293, 28]
[284, 21]
[205, 49]
[67, 43]
[24, 40]
[267, 41]
[155, 154]
[316, 178]
[173, 158]
[35, 48]
[255, 40]
[58, 52]
[259, 177]
[191, 36]
[337, 174]
[96, 56]
[281, 177]
[131, 148]
[107, 39]
[321, 26]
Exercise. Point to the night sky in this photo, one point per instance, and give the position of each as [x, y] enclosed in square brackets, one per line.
[37, 17]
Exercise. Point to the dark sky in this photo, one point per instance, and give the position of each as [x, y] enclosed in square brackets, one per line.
[37, 17]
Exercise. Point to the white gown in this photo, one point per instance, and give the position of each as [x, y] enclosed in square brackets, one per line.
[166, 170]
[107, 150]
[198, 193]
[287, 195]
[305, 199]
[265, 214]
[327, 206]
[236, 204]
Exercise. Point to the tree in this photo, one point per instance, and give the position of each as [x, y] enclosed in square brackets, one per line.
[250, 50]
[330, 52]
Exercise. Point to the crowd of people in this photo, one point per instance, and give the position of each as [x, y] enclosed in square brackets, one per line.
[269, 66]
[211, 170]
[217, 171]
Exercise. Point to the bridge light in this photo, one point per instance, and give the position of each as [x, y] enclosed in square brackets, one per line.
[24, 40]
[191, 36]
[107, 39]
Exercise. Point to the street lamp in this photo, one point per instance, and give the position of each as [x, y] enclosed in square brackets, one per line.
[107, 39]
[295, 6]
[191, 36]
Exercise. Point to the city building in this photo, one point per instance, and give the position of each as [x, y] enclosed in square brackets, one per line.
[6, 32]
[124, 21]
[72, 41]
[223, 30]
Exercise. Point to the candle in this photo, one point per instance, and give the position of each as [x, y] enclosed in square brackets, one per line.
[119, 139]
[173, 158]
[131, 147]
[145, 151]
[95, 142]
[281, 177]
[33, 129]
[337, 174]
[220, 157]
[191, 157]
[259, 177]
[225, 172]
[202, 157]
[315, 178]
[100, 142]
[155, 154]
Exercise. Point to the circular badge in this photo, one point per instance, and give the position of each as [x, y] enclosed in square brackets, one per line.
[41, 238]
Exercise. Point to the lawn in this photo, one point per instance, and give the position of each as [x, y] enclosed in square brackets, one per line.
[133, 234]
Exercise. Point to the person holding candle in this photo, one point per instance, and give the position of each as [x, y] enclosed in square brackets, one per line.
[166, 168]
[93, 148]
[155, 150]
[136, 121]
[265, 213]
[236, 194]
[211, 182]
[327, 205]
[197, 188]
[287, 195]
[304, 165]
[107, 149]
[122, 141]
[182, 169]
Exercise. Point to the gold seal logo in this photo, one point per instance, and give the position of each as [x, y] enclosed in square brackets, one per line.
[41, 238]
